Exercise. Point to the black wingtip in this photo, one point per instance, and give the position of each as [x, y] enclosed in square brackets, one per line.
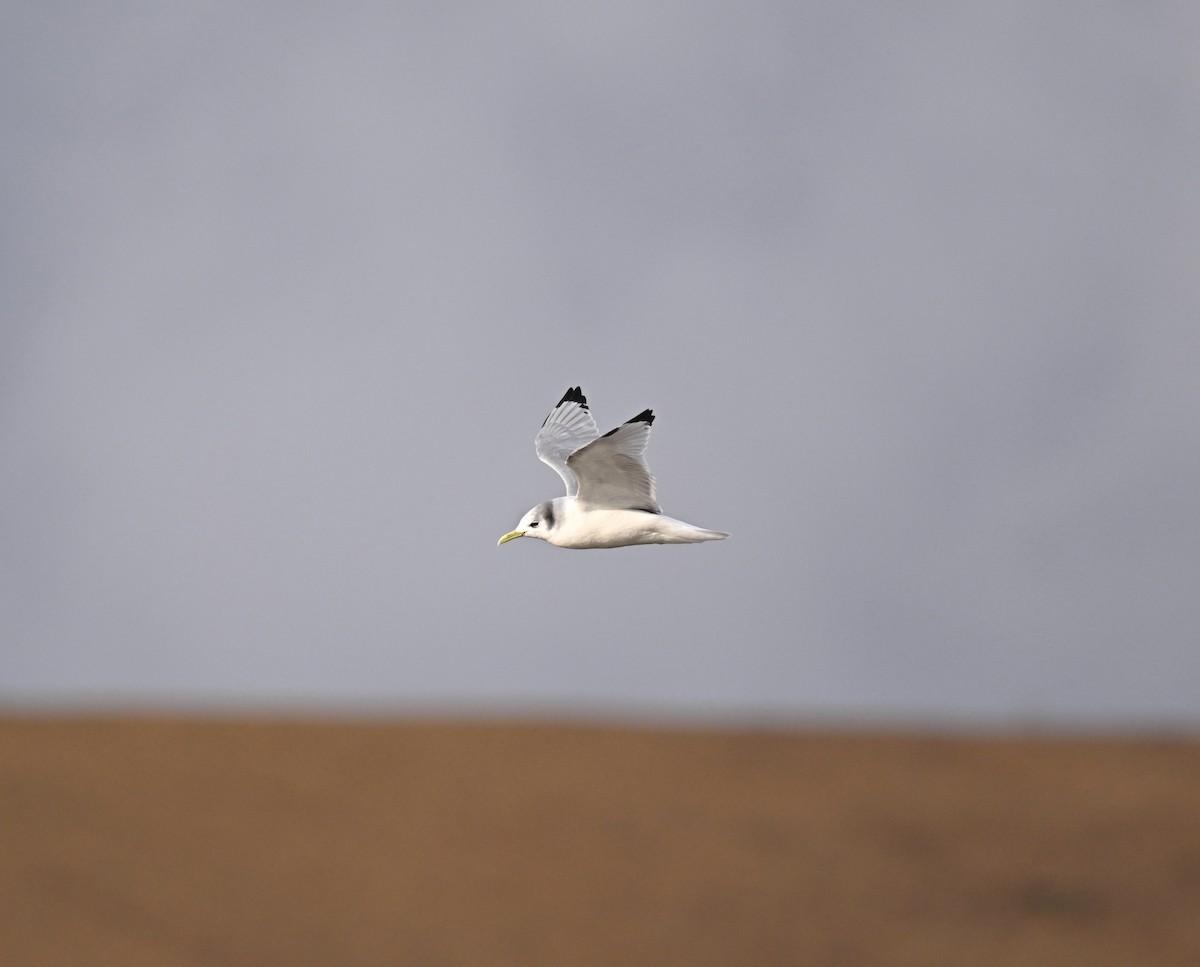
[574, 395]
[646, 416]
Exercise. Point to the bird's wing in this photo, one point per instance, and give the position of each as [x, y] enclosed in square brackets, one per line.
[612, 470]
[568, 427]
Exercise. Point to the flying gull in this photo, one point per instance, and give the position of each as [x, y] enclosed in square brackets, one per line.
[610, 498]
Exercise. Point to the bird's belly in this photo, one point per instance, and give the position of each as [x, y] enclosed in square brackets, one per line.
[609, 528]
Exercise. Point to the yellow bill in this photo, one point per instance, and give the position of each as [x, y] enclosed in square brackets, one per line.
[510, 536]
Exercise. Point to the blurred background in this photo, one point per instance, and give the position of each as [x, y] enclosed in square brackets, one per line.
[912, 290]
[288, 289]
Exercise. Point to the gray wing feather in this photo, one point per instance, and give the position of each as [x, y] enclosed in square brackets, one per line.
[612, 470]
[568, 427]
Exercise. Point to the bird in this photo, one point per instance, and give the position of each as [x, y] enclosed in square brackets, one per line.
[610, 500]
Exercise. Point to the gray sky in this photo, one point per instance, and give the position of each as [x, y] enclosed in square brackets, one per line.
[913, 290]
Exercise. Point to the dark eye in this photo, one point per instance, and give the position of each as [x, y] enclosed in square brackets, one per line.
[533, 523]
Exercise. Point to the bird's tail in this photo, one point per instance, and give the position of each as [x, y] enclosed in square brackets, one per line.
[680, 532]
[703, 534]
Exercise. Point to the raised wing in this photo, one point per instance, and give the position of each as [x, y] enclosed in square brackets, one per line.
[612, 470]
[568, 427]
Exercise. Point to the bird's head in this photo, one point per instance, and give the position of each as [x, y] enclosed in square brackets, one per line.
[537, 523]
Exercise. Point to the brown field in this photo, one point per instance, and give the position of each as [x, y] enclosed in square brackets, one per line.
[192, 842]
